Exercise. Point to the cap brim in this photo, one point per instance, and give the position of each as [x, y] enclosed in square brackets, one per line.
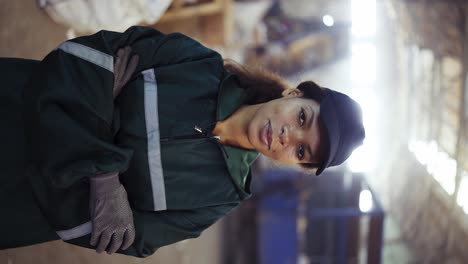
[329, 118]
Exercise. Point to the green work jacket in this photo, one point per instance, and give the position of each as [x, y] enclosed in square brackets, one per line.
[156, 133]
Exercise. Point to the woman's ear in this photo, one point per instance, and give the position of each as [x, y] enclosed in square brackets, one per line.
[292, 92]
[309, 169]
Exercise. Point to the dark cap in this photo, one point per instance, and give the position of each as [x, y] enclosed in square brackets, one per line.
[342, 119]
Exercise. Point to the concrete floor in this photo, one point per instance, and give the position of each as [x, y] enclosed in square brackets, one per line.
[26, 31]
[186, 252]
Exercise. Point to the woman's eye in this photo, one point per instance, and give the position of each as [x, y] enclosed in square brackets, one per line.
[302, 117]
[300, 152]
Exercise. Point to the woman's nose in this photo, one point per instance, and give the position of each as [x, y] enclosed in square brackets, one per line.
[284, 136]
[289, 135]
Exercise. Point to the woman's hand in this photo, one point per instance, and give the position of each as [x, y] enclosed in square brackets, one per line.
[124, 67]
[111, 215]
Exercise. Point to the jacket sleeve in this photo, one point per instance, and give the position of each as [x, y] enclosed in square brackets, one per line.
[156, 49]
[68, 102]
[158, 229]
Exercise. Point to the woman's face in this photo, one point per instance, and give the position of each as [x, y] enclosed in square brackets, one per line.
[287, 130]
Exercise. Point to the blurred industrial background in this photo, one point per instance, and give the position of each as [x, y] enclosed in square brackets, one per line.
[401, 198]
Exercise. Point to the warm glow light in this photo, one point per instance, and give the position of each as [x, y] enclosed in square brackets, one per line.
[424, 153]
[365, 201]
[363, 14]
[445, 171]
[462, 197]
[438, 163]
[328, 20]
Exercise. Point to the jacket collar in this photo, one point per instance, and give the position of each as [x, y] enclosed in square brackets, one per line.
[230, 97]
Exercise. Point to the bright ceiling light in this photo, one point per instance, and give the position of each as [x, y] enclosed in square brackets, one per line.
[462, 197]
[328, 20]
[438, 163]
[365, 201]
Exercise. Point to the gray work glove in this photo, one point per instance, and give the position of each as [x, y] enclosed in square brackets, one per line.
[111, 214]
[124, 67]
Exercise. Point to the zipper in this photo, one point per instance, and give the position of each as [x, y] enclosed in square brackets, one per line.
[200, 135]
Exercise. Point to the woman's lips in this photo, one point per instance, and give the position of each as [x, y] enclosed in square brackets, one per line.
[266, 134]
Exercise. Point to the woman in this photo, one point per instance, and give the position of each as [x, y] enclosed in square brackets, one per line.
[165, 159]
